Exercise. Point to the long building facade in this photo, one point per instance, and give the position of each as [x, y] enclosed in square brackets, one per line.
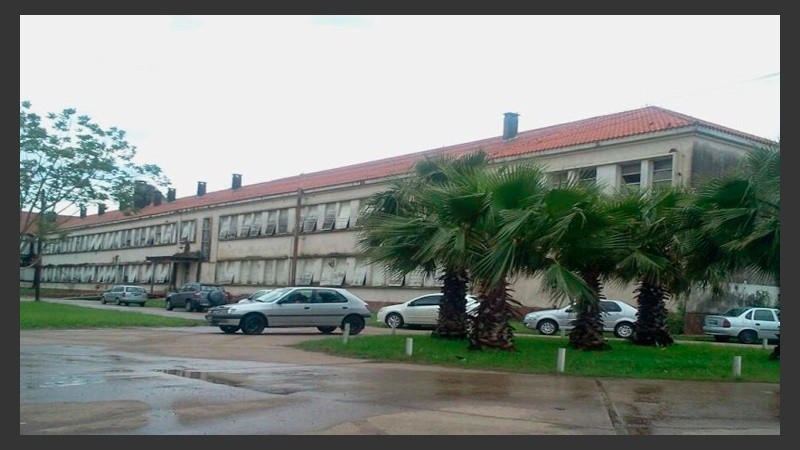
[303, 230]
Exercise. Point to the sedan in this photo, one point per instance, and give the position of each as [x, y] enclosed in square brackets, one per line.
[618, 317]
[422, 310]
[321, 307]
[746, 323]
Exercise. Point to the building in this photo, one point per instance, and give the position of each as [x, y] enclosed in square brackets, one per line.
[303, 230]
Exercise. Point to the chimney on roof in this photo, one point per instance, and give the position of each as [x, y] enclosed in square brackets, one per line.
[157, 197]
[83, 212]
[237, 181]
[171, 194]
[201, 188]
[510, 124]
[101, 209]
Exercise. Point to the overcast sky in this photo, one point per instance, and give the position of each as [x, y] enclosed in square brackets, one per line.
[269, 97]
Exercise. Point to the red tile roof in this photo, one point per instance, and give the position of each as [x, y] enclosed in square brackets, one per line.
[645, 120]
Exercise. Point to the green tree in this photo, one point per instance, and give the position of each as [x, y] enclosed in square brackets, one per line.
[583, 237]
[405, 231]
[652, 258]
[734, 222]
[68, 160]
[502, 202]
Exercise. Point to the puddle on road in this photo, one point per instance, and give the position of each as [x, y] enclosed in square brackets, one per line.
[232, 380]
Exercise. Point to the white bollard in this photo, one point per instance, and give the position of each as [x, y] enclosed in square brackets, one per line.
[562, 356]
[563, 332]
[345, 333]
[409, 346]
[737, 366]
[394, 327]
[764, 343]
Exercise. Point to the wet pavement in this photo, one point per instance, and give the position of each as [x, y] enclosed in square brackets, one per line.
[197, 380]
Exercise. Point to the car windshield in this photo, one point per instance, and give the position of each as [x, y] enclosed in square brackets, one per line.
[735, 312]
[271, 296]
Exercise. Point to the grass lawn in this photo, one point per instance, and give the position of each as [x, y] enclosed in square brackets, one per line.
[44, 315]
[534, 354]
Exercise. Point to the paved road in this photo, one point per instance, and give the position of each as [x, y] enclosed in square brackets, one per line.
[197, 380]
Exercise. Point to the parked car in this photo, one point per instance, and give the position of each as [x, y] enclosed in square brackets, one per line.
[746, 323]
[618, 317]
[197, 297]
[422, 310]
[303, 306]
[125, 295]
[258, 293]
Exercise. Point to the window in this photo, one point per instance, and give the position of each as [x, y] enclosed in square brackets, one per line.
[587, 175]
[763, 314]
[309, 219]
[428, 300]
[344, 216]
[246, 225]
[283, 221]
[631, 174]
[556, 179]
[662, 172]
[187, 231]
[329, 219]
[609, 307]
[330, 297]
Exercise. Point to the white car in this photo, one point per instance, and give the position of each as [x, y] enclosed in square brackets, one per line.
[618, 317]
[745, 323]
[419, 311]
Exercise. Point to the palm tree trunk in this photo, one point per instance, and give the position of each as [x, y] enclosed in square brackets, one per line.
[588, 331]
[490, 327]
[452, 320]
[651, 326]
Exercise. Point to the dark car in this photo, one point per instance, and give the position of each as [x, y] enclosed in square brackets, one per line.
[197, 297]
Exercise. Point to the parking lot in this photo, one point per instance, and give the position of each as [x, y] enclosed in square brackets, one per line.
[197, 380]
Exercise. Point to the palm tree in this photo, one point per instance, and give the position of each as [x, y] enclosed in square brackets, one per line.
[583, 236]
[652, 258]
[492, 198]
[735, 222]
[405, 231]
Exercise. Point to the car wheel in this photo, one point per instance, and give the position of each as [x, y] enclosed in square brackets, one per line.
[326, 330]
[117, 302]
[394, 320]
[189, 306]
[547, 327]
[356, 324]
[747, 337]
[229, 329]
[623, 330]
[126, 303]
[168, 305]
[253, 324]
[102, 300]
[216, 298]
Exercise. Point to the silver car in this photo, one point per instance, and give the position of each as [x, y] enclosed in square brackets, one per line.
[304, 306]
[745, 323]
[618, 317]
[125, 295]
